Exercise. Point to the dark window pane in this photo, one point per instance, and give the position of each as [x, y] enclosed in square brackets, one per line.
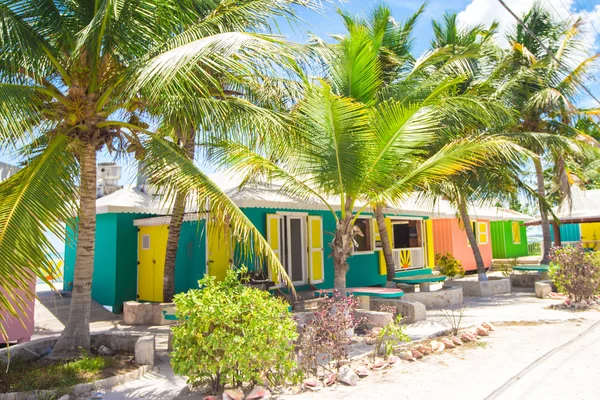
[363, 243]
[296, 249]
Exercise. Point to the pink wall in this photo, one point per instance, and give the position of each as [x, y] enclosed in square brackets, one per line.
[16, 331]
[452, 239]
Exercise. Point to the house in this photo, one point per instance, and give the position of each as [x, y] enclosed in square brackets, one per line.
[132, 233]
[509, 236]
[18, 331]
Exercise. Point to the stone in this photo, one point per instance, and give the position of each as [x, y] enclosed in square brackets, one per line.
[411, 311]
[422, 349]
[437, 347]
[481, 331]
[310, 383]
[524, 280]
[211, 397]
[457, 341]
[378, 364]
[144, 350]
[468, 337]
[233, 394]
[135, 313]
[493, 286]
[392, 360]
[362, 371]
[329, 379]
[374, 318]
[488, 326]
[416, 354]
[581, 305]
[259, 393]
[104, 351]
[347, 376]
[543, 289]
[65, 397]
[447, 297]
[407, 355]
[448, 343]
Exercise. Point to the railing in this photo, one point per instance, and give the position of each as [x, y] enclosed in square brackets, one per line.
[591, 244]
[534, 249]
[412, 257]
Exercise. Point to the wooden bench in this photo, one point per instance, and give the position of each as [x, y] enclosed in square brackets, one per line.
[363, 294]
[542, 269]
[422, 277]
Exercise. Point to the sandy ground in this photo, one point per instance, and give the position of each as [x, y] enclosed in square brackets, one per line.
[547, 361]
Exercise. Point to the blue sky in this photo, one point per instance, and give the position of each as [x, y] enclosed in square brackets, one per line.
[470, 12]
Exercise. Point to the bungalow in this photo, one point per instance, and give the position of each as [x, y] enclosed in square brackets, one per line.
[509, 236]
[132, 234]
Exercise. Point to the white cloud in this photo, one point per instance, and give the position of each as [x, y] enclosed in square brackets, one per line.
[487, 11]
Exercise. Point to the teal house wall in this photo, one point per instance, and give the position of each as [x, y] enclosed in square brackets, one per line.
[115, 259]
[568, 233]
[502, 240]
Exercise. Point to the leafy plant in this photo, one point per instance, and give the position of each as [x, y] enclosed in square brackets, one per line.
[575, 272]
[506, 268]
[231, 334]
[326, 337]
[449, 266]
[390, 336]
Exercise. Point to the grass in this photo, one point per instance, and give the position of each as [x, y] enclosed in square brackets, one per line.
[44, 375]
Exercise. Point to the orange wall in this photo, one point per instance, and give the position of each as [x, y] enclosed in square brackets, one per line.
[450, 237]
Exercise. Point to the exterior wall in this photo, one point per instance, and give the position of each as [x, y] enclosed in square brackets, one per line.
[115, 259]
[590, 232]
[502, 240]
[190, 264]
[568, 233]
[15, 330]
[450, 237]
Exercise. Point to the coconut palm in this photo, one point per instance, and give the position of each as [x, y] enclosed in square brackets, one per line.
[544, 92]
[77, 77]
[353, 144]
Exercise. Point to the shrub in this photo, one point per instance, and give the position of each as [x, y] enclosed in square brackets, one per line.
[449, 266]
[576, 272]
[231, 334]
[325, 338]
[390, 336]
[507, 268]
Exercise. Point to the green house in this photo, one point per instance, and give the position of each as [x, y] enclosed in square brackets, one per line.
[509, 237]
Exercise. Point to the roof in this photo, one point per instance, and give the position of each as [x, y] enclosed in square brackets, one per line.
[584, 207]
[7, 170]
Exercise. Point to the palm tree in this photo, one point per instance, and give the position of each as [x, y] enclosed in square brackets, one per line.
[77, 77]
[544, 93]
[352, 144]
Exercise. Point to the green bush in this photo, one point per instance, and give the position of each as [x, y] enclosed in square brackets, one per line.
[575, 272]
[231, 334]
[390, 336]
[449, 266]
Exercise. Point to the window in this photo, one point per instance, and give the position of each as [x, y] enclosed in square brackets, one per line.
[482, 233]
[145, 242]
[516, 232]
[363, 241]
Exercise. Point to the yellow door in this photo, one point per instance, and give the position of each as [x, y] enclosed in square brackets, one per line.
[218, 250]
[152, 245]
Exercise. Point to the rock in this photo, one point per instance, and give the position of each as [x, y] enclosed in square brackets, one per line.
[437, 347]
[423, 350]
[581, 305]
[378, 364]
[347, 376]
[233, 394]
[211, 397]
[488, 326]
[393, 360]
[329, 379]
[467, 337]
[416, 354]
[98, 394]
[457, 341]
[311, 383]
[362, 371]
[407, 355]
[65, 397]
[481, 331]
[104, 351]
[448, 343]
[259, 393]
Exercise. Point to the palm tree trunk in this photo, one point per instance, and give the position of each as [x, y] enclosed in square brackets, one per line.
[541, 190]
[76, 335]
[175, 231]
[342, 248]
[464, 215]
[385, 243]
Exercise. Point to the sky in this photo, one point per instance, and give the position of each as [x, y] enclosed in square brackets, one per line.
[327, 22]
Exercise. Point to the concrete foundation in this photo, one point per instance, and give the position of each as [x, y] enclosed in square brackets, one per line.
[472, 287]
[543, 289]
[527, 280]
[374, 319]
[445, 298]
[412, 311]
[135, 313]
[142, 345]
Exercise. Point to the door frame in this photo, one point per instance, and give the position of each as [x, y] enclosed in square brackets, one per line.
[302, 217]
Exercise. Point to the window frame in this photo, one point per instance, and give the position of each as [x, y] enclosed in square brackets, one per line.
[370, 237]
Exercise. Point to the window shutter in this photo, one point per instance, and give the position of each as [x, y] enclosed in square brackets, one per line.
[429, 243]
[273, 237]
[516, 233]
[316, 262]
[482, 230]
